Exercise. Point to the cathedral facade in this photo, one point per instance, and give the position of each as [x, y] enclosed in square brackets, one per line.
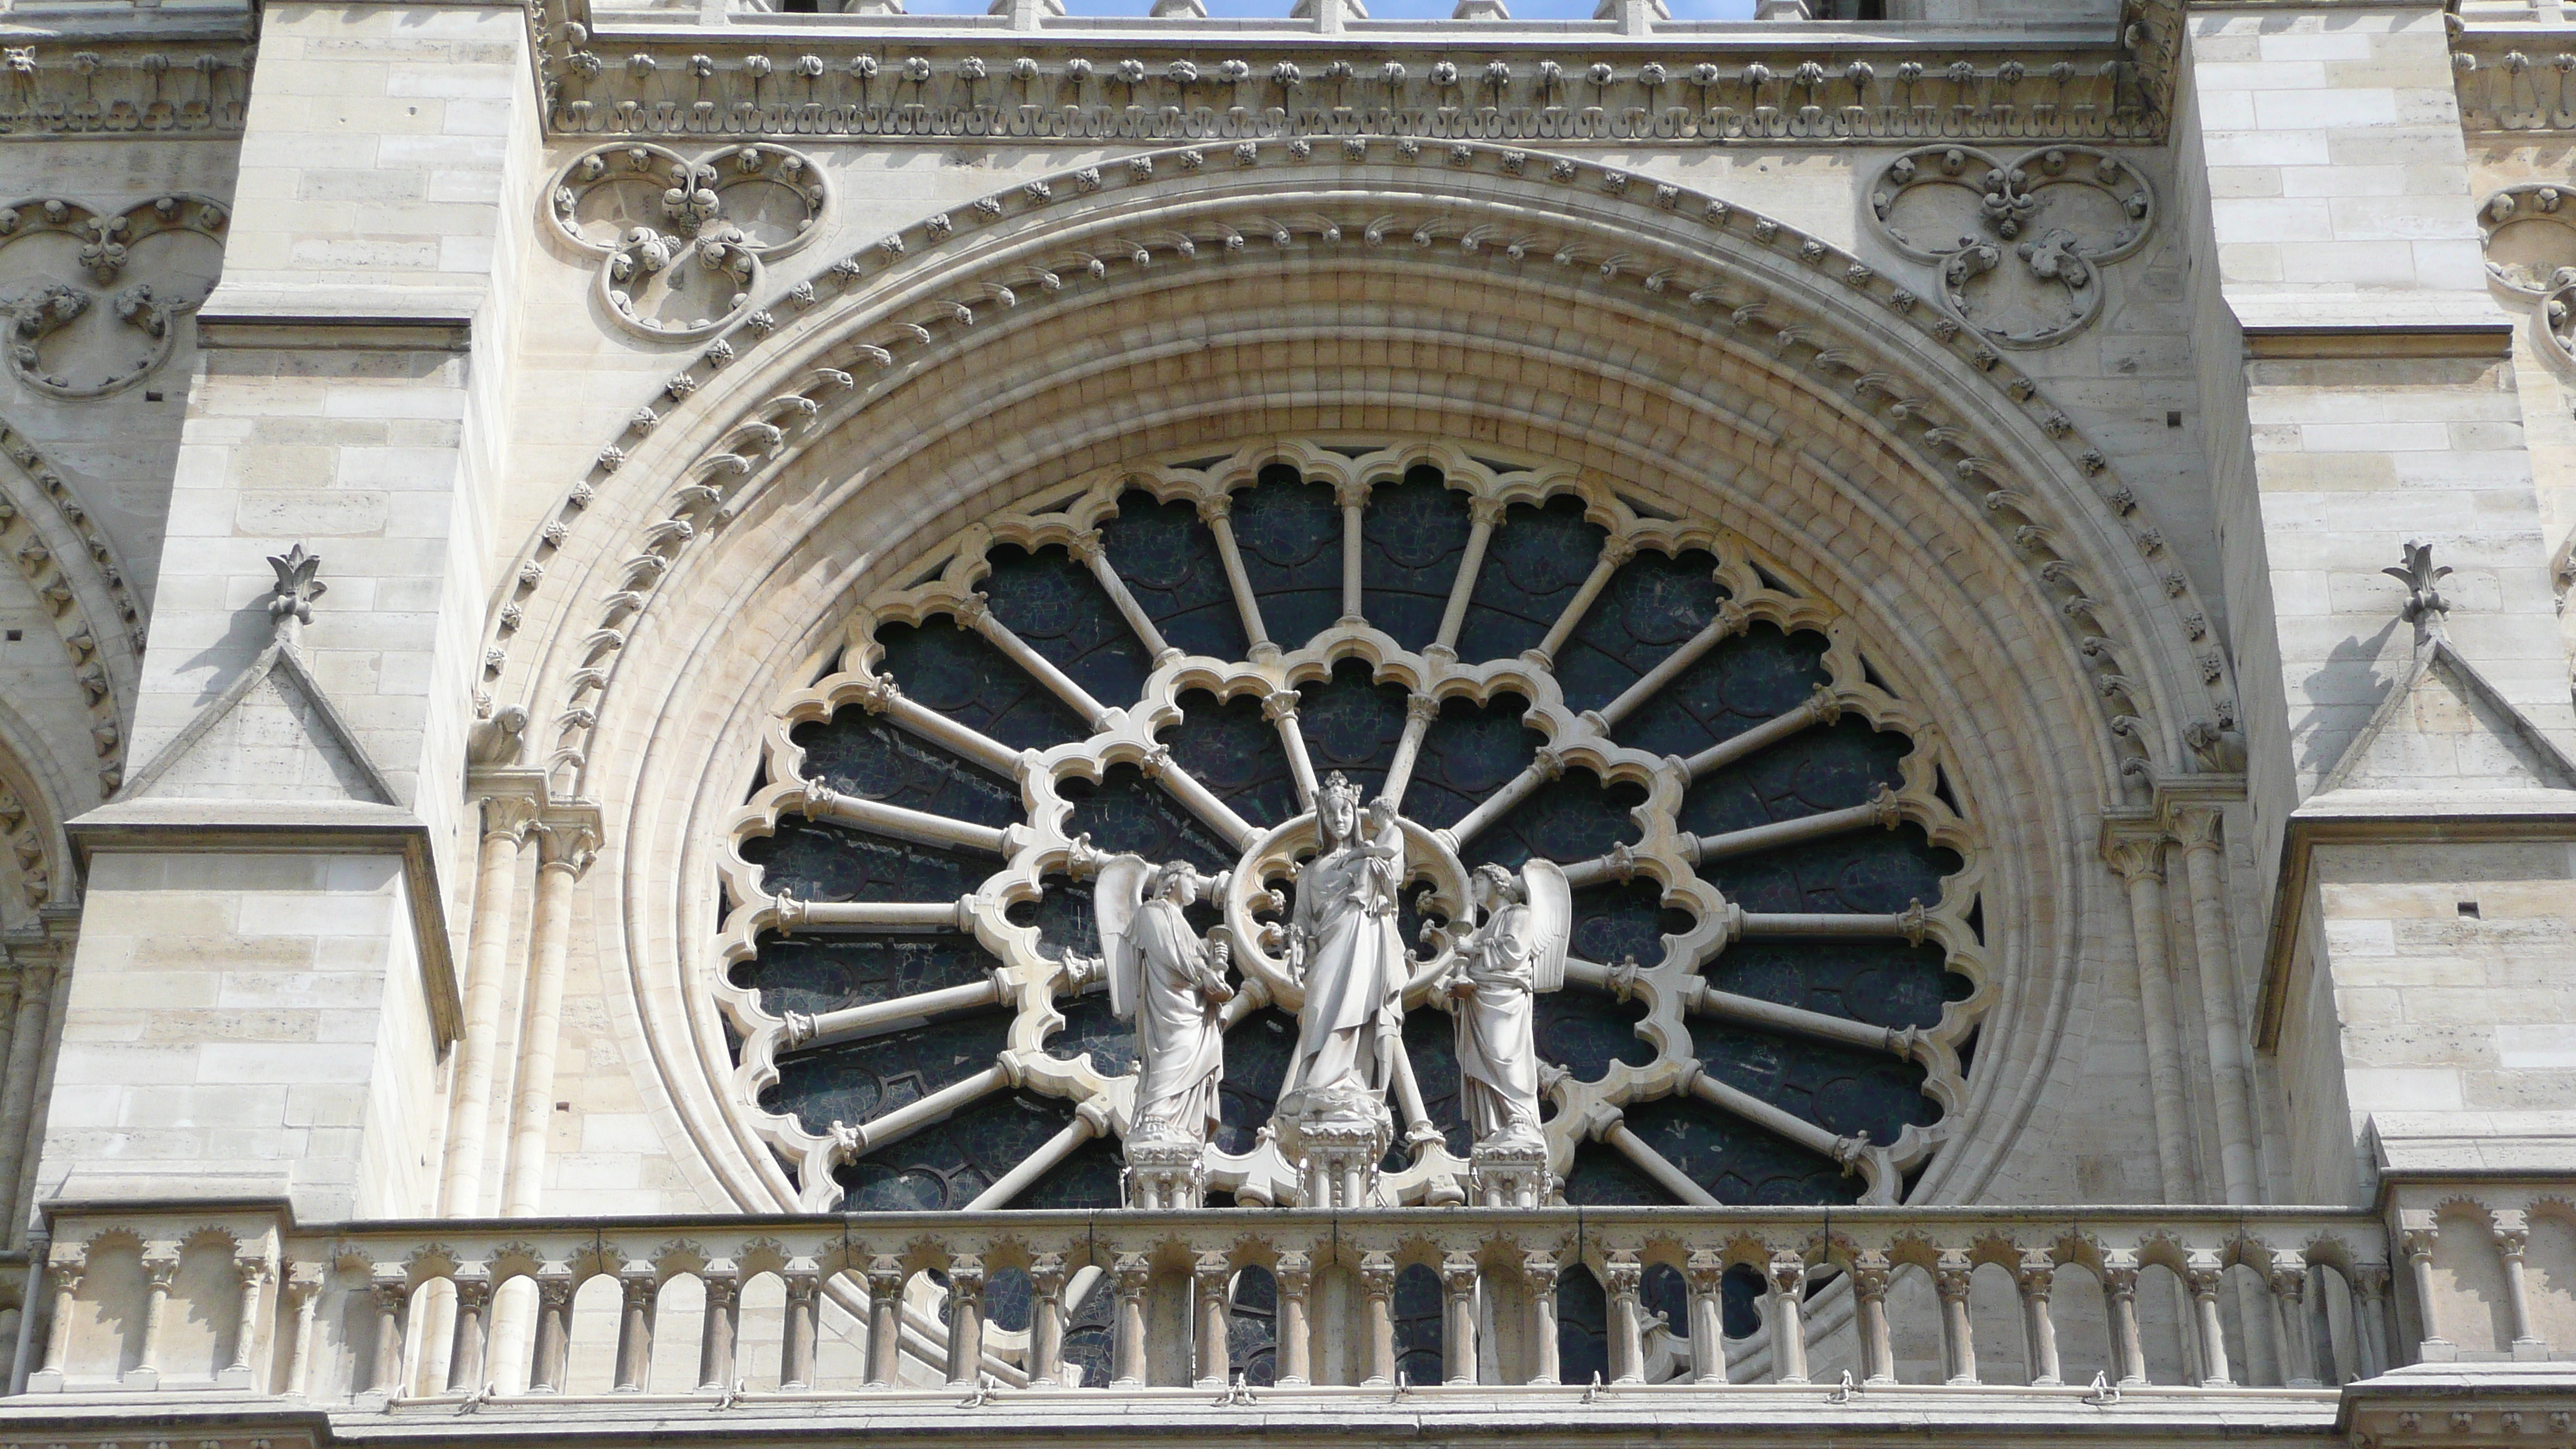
[767, 724]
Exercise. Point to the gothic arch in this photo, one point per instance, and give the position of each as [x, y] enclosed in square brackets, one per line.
[1684, 353]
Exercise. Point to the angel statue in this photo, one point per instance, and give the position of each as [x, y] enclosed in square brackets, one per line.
[1517, 951]
[1174, 986]
[1344, 950]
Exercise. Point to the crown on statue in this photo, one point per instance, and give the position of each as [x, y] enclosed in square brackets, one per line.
[1338, 787]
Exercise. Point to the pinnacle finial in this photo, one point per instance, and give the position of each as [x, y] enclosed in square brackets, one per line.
[290, 603]
[2425, 607]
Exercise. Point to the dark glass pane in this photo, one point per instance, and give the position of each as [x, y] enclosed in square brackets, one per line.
[1056, 605]
[1883, 983]
[1235, 750]
[1256, 1062]
[1431, 1045]
[857, 753]
[1832, 767]
[1468, 752]
[1411, 541]
[1741, 1290]
[1582, 1325]
[1665, 1296]
[1418, 1329]
[1754, 677]
[1654, 603]
[1127, 812]
[1845, 1090]
[1352, 724]
[1535, 563]
[1584, 1032]
[829, 863]
[1740, 1164]
[1252, 1326]
[1601, 1177]
[959, 673]
[1881, 875]
[1064, 918]
[1007, 1295]
[1572, 818]
[861, 1081]
[946, 1166]
[1168, 559]
[1290, 533]
[1091, 1029]
[824, 973]
[1088, 1331]
[1089, 1177]
[1612, 922]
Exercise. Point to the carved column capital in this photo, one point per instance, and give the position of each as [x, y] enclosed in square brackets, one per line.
[2135, 857]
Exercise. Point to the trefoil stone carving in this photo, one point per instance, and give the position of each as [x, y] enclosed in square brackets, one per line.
[93, 297]
[2021, 242]
[682, 244]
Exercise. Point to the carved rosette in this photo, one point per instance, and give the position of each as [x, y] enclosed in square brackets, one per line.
[682, 244]
[2020, 241]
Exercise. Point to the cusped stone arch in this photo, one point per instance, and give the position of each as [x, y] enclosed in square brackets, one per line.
[1689, 358]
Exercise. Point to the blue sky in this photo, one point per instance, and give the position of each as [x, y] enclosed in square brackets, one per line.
[1378, 9]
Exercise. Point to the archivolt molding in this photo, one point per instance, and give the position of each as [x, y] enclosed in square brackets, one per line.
[898, 314]
[1035, 984]
[67, 559]
[761, 444]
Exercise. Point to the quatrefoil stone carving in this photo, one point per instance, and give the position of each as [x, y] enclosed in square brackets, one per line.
[681, 243]
[93, 296]
[2020, 242]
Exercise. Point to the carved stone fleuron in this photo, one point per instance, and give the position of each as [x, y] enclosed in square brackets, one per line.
[682, 244]
[2019, 241]
[94, 297]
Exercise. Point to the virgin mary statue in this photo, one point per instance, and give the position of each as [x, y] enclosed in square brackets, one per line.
[1344, 949]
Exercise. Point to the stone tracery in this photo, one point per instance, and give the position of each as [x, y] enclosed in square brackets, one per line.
[1688, 701]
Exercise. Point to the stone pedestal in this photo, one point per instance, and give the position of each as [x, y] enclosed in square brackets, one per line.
[1166, 1174]
[1509, 1175]
[1335, 1141]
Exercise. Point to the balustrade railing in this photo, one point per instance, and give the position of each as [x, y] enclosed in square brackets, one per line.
[2161, 1300]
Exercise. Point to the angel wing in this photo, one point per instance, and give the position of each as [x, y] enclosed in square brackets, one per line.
[1116, 896]
[1551, 907]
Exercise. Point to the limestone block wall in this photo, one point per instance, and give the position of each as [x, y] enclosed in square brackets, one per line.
[245, 1026]
[2339, 197]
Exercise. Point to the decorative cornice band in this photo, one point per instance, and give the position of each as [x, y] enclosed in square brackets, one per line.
[2389, 342]
[1226, 87]
[386, 333]
[75, 85]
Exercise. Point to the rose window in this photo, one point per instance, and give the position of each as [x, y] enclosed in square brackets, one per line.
[1731, 953]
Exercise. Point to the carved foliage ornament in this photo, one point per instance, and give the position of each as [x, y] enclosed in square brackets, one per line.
[92, 297]
[681, 243]
[2531, 252]
[2020, 242]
